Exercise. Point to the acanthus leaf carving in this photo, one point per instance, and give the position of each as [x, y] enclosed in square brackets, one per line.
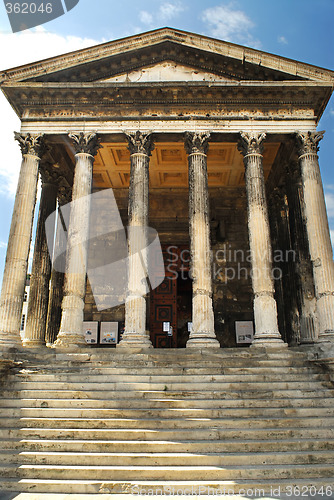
[140, 142]
[86, 143]
[197, 142]
[251, 143]
[307, 142]
[31, 144]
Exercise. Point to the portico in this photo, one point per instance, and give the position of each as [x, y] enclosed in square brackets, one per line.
[201, 145]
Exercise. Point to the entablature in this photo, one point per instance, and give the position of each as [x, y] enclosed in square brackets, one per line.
[164, 100]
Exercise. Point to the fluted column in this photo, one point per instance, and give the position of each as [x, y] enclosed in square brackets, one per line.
[70, 333]
[203, 330]
[57, 276]
[135, 334]
[15, 272]
[265, 307]
[318, 232]
[302, 275]
[41, 267]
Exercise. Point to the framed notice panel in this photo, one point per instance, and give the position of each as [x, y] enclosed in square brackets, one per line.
[90, 331]
[244, 332]
[109, 332]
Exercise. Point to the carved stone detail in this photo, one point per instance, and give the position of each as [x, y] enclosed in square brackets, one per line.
[48, 174]
[31, 144]
[197, 142]
[307, 142]
[86, 143]
[140, 142]
[251, 143]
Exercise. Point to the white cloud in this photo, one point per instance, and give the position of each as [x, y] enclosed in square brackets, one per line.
[165, 13]
[169, 10]
[145, 17]
[332, 236]
[3, 244]
[283, 40]
[228, 23]
[23, 48]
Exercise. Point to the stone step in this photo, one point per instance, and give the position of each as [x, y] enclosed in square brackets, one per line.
[173, 386]
[67, 360]
[100, 413]
[182, 434]
[166, 402]
[167, 423]
[93, 377]
[268, 393]
[158, 473]
[289, 444]
[251, 488]
[168, 459]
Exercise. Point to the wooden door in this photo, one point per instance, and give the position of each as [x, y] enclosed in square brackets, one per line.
[163, 308]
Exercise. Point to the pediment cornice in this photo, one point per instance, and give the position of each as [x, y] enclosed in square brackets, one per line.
[222, 58]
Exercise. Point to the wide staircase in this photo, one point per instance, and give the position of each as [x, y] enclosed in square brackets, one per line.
[107, 421]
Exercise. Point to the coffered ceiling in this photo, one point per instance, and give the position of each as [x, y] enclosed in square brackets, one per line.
[168, 165]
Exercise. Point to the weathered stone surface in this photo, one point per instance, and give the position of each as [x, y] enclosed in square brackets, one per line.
[265, 307]
[321, 250]
[41, 271]
[135, 333]
[71, 329]
[203, 333]
[15, 272]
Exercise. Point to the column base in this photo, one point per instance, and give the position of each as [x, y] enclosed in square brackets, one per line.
[31, 344]
[268, 340]
[326, 336]
[202, 341]
[69, 340]
[135, 341]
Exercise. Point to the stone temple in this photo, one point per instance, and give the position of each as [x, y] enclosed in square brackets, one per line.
[181, 201]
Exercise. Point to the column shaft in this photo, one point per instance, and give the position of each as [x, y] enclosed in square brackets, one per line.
[57, 285]
[302, 275]
[40, 272]
[203, 330]
[320, 246]
[71, 327]
[135, 334]
[15, 272]
[265, 307]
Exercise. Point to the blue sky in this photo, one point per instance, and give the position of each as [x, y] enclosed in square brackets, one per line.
[298, 29]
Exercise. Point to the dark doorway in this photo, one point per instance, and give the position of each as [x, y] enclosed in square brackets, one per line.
[170, 303]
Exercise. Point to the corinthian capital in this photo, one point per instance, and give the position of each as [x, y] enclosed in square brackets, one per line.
[139, 142]
[86, 143]
[307, 142]
[31, 144]
[196, 142]
[251, 143]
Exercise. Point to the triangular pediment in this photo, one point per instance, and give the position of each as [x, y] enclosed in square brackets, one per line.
[148, 53]
[167, 71]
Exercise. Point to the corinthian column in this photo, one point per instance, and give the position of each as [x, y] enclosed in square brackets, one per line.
[265, 307]
[203, 330]
[318, 232]
[70, 333]
[41, 267]
[57, 276]
[15, 272]
[135, 335]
